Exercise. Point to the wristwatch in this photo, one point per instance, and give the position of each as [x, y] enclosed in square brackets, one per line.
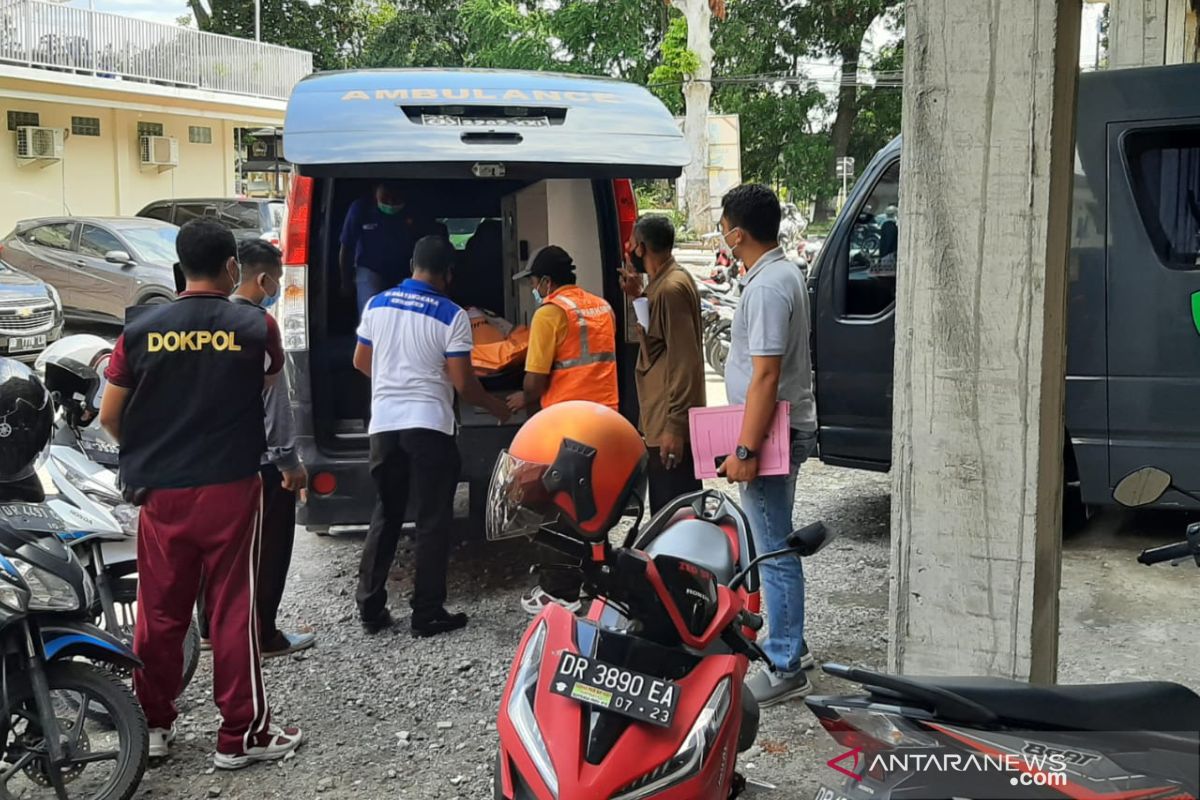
[744, 453]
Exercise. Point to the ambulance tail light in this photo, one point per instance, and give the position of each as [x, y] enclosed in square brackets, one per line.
[291, 312]
[627, 210]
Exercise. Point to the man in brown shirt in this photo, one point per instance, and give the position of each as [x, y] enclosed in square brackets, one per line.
[670, 369]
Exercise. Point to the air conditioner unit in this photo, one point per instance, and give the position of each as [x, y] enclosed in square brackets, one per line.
[160, 151]
[39, 144]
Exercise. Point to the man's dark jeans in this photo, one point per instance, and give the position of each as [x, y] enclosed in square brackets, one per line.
[422, 464]
[667, 484]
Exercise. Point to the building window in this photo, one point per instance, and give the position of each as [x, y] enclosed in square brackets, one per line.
[149, 129]
[21, 119]
[85, 126]
[199, 135]
[1165, 167]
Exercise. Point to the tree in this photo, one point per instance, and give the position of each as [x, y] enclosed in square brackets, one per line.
[697, 91]
[835, 28]
[336, 32]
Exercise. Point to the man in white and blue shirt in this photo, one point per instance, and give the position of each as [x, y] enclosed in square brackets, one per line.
[415, 345]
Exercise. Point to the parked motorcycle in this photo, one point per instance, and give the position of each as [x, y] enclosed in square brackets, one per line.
[69, 729]
[76, 365]
[644, 698]
[1017, 740]
[102, 526]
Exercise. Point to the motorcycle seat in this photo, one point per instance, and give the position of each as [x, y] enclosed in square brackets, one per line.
[1157, 706]
[699, 542]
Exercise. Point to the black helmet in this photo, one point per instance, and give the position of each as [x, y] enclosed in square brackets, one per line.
[26, 421]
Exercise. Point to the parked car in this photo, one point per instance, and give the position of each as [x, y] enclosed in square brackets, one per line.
[1133, 296]
[30, 314]
[99, 265]
[248, 218]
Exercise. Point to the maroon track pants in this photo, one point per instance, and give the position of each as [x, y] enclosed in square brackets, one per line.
[184, 533]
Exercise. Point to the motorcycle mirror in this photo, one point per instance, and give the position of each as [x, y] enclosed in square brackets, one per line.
[810, 539]
[1142, 487]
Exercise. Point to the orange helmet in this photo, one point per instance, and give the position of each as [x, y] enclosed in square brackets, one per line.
[576, 462]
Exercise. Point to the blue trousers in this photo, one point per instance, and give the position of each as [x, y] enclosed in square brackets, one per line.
[768, 503]
[367, 284]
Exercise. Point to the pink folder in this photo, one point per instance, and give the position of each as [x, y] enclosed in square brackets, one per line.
[715, 433]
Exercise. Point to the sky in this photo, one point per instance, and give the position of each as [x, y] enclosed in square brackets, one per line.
[154, 10]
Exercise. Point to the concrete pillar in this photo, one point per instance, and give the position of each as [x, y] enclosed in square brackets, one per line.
[989, 92]
[1151, 33]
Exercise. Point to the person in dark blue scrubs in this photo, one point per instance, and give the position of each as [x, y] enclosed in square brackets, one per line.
[377, 244]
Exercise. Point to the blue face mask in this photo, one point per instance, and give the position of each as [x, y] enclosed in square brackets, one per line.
[537, 296]
[270, 300]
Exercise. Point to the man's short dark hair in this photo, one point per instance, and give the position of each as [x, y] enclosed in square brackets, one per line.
[657, 232]
[257, 256]
[433, 254]
[204, 246]
[755, 209]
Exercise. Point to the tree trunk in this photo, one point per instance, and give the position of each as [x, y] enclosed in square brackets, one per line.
[203, 18]
[843, 122]
[696, 93]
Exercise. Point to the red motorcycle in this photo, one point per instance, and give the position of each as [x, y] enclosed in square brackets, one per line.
[643, 698]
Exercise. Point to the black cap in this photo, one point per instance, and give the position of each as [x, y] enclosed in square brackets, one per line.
[550, 262]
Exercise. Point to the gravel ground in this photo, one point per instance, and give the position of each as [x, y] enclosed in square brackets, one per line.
[396, 717]
[392, 717]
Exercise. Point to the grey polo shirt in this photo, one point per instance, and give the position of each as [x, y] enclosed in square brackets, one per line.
[772, 320]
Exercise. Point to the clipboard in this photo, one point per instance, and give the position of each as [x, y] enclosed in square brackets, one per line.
[715, 432]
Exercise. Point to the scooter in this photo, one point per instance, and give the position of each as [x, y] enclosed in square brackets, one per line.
[910, 737]
[70, 728]
[102, 526]
[643, 698]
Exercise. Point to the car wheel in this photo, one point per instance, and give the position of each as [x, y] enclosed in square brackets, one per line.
[155, 300]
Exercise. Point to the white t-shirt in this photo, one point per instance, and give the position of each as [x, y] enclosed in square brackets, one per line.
[411, 331]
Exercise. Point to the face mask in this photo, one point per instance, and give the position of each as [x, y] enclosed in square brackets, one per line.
[270, 299]
[390, 210]
[724, 247]
[638, 262]
[235, 276]
[537, 296]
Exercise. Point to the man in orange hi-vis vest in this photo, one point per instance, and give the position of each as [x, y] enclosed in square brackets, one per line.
[572, 356]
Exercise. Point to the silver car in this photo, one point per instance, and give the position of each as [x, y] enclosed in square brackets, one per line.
[99, 265]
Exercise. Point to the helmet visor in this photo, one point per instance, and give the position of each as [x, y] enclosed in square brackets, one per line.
[518, 502]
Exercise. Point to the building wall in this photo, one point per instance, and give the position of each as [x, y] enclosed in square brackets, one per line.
[102, 175]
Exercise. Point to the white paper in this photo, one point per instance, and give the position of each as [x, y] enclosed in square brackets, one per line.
[641, 308]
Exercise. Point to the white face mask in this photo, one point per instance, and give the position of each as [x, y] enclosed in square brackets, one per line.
[724, 247]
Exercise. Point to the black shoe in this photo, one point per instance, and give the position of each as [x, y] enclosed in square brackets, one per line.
[381, 622]
[441, 622]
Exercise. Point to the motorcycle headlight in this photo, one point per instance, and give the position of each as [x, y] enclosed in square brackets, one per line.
[691, 755]
[520, 708]
[12, 597]
[47, 591]
[127, 516]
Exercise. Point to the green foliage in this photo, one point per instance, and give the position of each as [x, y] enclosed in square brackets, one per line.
[879, 109]
[676, 64]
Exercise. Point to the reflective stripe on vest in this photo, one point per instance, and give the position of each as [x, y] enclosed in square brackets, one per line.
[585, 367]
[586, 356]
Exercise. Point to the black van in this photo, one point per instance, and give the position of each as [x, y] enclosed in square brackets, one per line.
[507, 162]
[1133, 341]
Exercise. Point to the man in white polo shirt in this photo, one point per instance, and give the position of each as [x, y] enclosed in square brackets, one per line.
[415, 345]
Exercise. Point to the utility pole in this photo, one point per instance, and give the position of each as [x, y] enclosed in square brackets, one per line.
[977, 459]
[258, 20]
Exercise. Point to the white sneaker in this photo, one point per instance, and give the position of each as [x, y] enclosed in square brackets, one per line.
[160, 741]
[276, 744]
[536, 599]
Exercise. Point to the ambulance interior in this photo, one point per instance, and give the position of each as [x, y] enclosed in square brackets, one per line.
[495, 226]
